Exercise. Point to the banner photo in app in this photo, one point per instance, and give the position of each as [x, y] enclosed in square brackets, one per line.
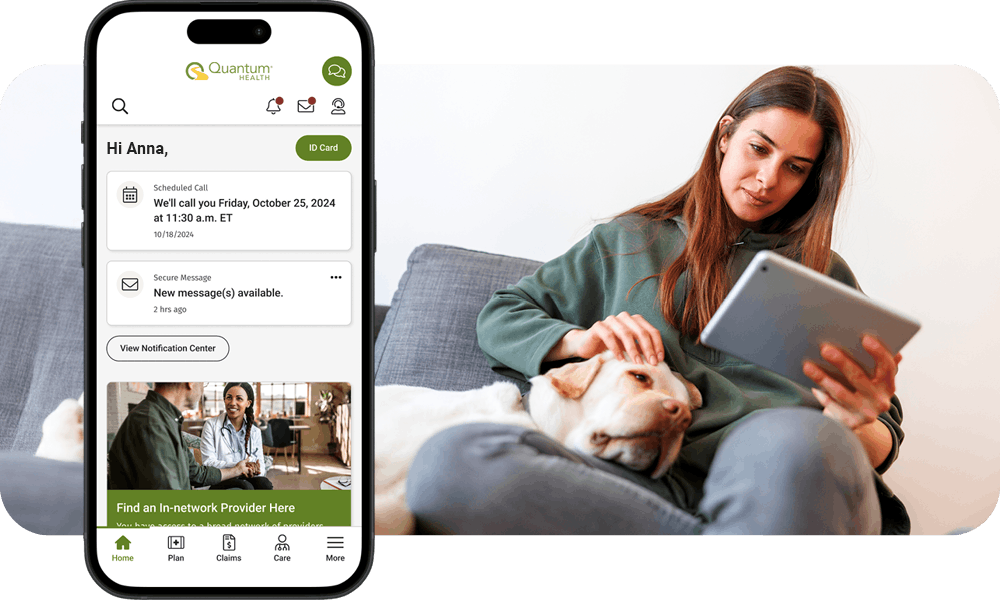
[183, 443]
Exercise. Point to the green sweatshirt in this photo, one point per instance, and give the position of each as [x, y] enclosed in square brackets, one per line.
[148, 452]
[520, 324]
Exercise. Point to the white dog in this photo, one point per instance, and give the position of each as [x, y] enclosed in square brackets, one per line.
[633, 414]
[62, 432]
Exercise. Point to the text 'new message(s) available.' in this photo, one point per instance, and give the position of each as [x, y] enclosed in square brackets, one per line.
[229, 293]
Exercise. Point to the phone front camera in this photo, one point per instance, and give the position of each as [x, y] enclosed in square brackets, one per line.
[258, 31]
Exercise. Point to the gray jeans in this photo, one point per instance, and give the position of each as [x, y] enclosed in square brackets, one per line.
[780, 471]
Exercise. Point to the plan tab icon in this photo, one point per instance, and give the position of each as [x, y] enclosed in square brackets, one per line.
[175, 542]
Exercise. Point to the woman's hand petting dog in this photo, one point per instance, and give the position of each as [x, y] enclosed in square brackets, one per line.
[622, 334]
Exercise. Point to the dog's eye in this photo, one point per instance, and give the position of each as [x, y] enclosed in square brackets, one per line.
[640, 377]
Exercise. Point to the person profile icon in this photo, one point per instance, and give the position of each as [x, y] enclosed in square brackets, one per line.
[281, 546]
[338, 107]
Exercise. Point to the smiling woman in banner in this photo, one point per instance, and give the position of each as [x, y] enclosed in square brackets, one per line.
[231, 437]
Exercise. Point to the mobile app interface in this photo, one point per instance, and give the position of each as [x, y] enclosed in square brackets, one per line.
[228, 311]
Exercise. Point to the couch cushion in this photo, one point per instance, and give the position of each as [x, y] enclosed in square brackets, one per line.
[42, 495]
[41, 317]
[428, 338]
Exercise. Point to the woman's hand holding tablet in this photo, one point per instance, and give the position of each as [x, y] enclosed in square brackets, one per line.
[871, 393]
[815, 331]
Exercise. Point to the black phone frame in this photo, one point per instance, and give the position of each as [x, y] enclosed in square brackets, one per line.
[367, 269]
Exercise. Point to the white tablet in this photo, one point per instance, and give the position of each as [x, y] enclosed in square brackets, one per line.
[779, 312]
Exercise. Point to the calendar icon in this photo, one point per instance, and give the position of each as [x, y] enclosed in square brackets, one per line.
[130, 195]
[229, 542]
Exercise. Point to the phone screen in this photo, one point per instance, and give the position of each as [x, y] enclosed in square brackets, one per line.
[229, 253]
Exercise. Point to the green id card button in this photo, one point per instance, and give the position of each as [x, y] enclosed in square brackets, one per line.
[323, 147]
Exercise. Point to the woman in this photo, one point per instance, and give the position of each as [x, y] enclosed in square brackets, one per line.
[756, 458]
[231, 437]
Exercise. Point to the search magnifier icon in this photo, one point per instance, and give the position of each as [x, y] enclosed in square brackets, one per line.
[119, 105]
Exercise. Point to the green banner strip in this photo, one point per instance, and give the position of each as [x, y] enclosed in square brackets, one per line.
[231, 508]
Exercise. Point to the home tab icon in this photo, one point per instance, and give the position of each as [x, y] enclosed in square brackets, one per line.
[122, 543]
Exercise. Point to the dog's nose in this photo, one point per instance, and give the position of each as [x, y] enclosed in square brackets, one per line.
[673, 407]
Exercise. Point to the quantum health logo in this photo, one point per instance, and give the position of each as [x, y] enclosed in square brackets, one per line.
[196, 71]
[245, 72]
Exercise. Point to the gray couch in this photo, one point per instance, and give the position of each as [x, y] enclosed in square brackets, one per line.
[41, 364]
[428, 336]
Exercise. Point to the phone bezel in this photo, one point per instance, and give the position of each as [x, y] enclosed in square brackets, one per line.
[90, 290]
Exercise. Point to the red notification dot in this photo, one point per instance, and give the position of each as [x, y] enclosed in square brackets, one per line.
[312, 100]
[279, 100]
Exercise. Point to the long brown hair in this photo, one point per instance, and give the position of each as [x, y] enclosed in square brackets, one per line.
[806, 222]
[248, 414]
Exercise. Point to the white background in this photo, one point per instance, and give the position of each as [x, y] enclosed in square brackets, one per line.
[524, 159]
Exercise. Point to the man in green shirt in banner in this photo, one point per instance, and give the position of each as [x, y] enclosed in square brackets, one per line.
[149, 453]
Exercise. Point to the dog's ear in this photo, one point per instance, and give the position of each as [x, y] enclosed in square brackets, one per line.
[692, 391]
[572, 380]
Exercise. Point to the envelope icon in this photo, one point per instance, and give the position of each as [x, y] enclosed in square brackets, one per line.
[130, 284]
[304, 106]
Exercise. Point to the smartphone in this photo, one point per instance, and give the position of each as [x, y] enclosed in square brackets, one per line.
[229, 238]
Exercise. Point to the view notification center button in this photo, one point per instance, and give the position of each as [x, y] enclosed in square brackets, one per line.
[168, 348]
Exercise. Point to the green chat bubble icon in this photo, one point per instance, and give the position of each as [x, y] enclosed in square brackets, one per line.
[336, 70]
